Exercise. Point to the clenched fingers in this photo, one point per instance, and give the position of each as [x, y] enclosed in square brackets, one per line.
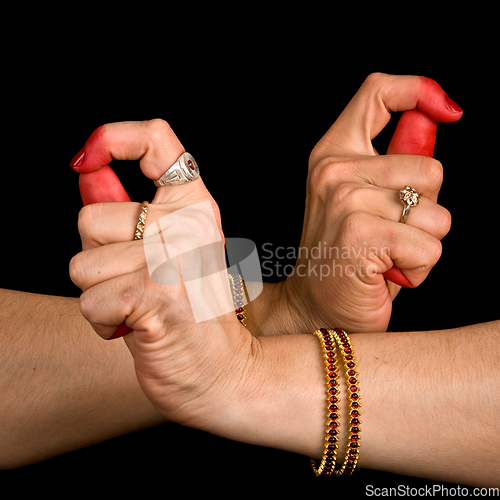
[412, 250]
[136, 301]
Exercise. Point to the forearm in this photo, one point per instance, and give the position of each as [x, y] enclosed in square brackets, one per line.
[62, 386]
[430, 401]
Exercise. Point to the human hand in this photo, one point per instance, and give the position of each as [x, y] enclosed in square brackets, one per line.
[117, 288]
[157, 145]
[352, 209]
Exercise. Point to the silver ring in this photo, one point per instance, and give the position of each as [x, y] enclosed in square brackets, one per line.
[185, 169]
[409, 198]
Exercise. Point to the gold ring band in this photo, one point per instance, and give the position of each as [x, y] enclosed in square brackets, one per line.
[139, 230]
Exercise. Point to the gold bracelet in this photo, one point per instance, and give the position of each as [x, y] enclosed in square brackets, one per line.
[239, 294]
[328, 339]
[330, 447]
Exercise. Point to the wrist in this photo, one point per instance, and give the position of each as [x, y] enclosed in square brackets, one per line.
[279, 399]
[273, 312]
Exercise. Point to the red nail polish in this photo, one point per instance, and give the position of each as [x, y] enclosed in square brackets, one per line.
[453, 106]
[121, 331]
[78, 159]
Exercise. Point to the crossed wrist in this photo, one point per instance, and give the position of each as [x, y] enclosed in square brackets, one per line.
[273, 312]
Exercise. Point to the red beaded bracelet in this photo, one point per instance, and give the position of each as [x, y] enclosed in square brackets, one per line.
[328, 339]
[330, 446]
[352, 451]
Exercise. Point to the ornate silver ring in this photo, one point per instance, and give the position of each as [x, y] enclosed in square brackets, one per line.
[185, 169]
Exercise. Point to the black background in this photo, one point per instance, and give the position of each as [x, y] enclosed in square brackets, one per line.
[250, 109]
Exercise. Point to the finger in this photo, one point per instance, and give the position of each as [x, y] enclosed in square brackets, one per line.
[101, 186]
[125, 300]
[105, 223]
[390, 172]
[369, 112]
[427, 216]
[91, 267]
[415, 254]
[103, 307]
[413, 251]
[414, 135]
[153, 141]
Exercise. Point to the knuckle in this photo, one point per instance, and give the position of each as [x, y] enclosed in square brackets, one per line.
[327, 172]
[430, 251]
[85, 306]
[200, 228]
[434, 251]
[128, 297]
[432, 171]
[86, 219]
[355, 227]
[321, 176]
[188, 229]
[77, 269]
[159, 129]
[374, 81]
[103, 131]
[443, 223]
[347, 195]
